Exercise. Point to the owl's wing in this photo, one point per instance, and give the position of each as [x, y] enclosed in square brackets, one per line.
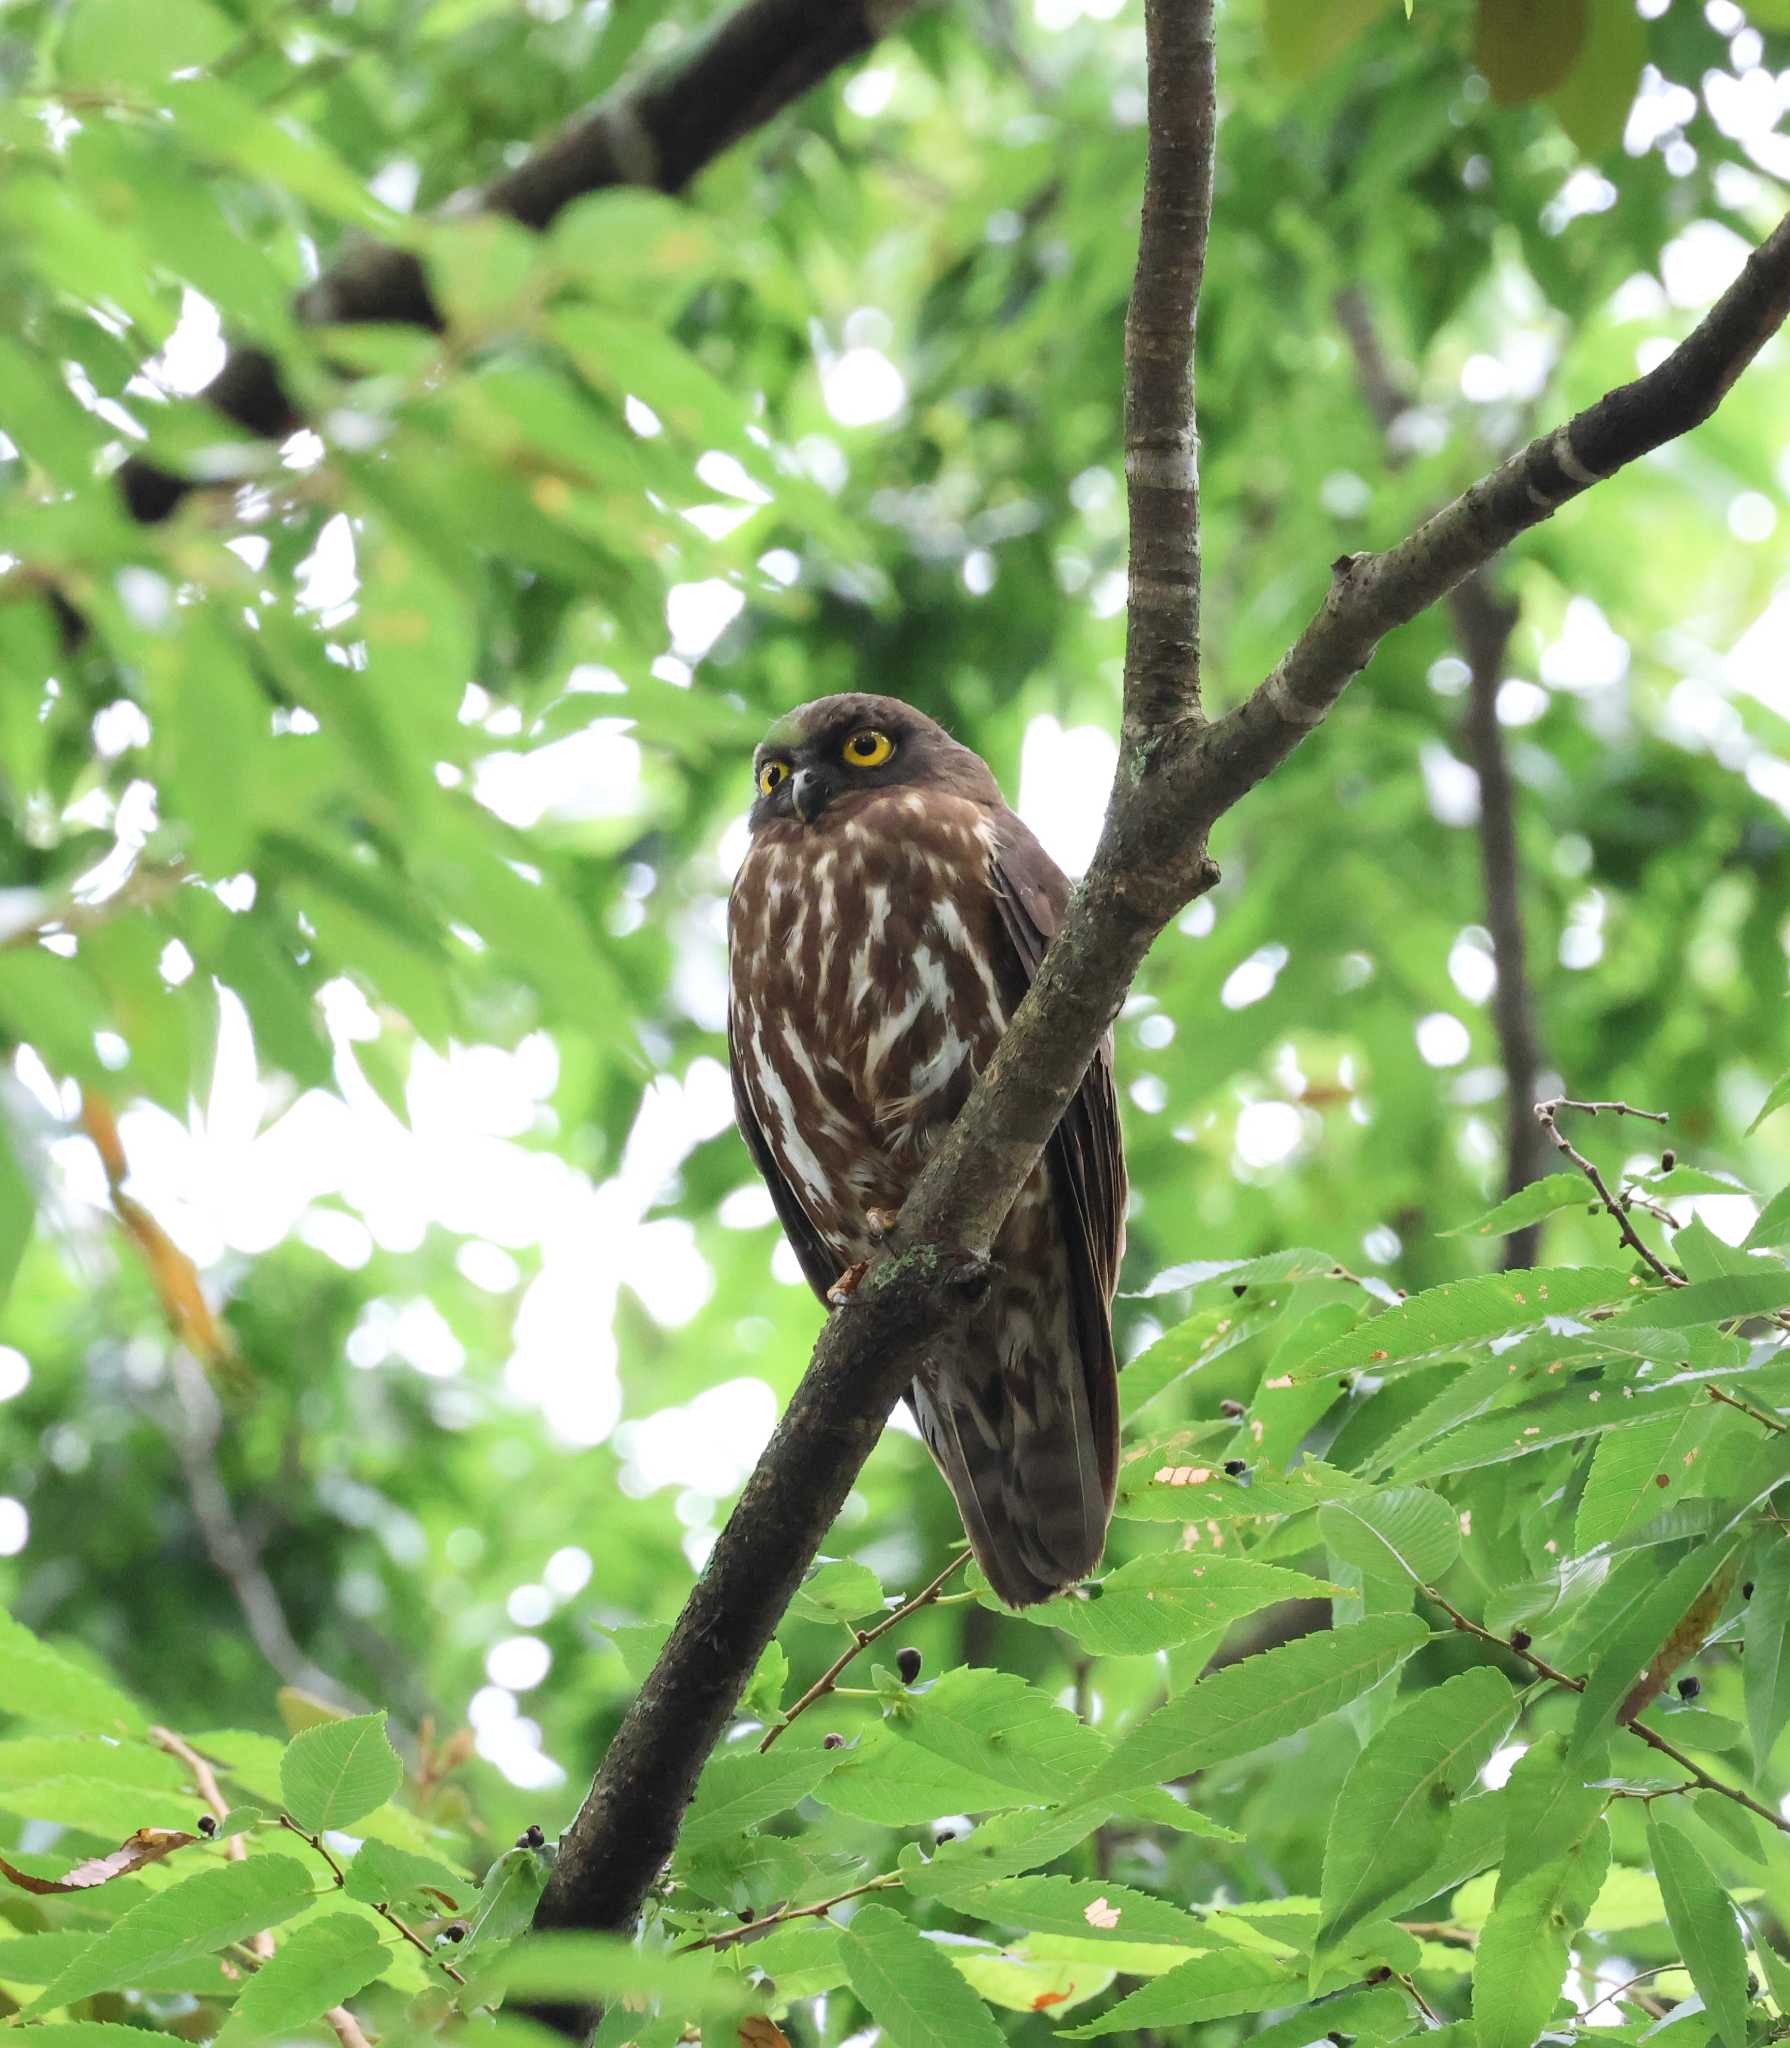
[1087, 1152]
[819, 1266]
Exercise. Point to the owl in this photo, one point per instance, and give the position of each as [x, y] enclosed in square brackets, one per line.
[889, 915]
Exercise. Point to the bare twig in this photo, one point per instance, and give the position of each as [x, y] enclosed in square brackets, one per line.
[346, 2028]
[384, 1911]
[260, 1944]
[751, 1930]
[828, 1681]
[1547, 1116]
[1746, 1407]
[1700, 1778]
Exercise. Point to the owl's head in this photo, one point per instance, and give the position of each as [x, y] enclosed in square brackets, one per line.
[824, 753]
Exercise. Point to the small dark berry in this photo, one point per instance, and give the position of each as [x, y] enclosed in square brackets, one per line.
[208, 1823]
[1752, 1984]
[1341, 2040]
[945, 1835]
[1345, 1383]
[1233, 1409]
[455, 1930]
[531, 1836]
[1241, 1288]
[907, 1662]
[1235, 1467]
[1688, 1688]
[1746, 1591]
[1382, 1975]
[747, 1916]
[1520, 1639]
[832, 1742]
[1668, 1159]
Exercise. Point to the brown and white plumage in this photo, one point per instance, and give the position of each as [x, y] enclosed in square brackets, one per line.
[883, 926]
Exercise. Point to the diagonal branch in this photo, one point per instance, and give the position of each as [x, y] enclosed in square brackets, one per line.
[1177, 777]
[659, 133]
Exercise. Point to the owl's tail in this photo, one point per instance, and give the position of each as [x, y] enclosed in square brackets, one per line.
[1031, 1455]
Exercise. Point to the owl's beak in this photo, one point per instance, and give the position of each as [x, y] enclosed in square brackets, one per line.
[810, 792]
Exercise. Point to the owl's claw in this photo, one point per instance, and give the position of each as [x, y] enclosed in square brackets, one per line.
[846, 1285]
[879, 1222]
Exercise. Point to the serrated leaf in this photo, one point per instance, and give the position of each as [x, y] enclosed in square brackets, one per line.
[1300, 1262]
[338, 1772]
[1520, 1961]
[1171, 1597]
[378, 1875]
[1716, 1301]
[1023, 1981]
[1538, 1425]
[1402, 1531]
[1548, 1806]
[320, 1964]
[1463, 1313]
[39, 1683]
[1164, 1481]
[1777, 1972]
[739, 1789]
[973, 1741]
[1648, 1625]
[1774, 1101]
[1262, 1699]
[585, 1968]
[906, 1985]
[1702, 1919]
[1624, 1487]
[190, 1919]
[838, 1590]
[1207, 1987]
[1397, 1802]
[1541, 1198]
[1765, 1662]
[1773, 1225]
[1090, 1909]
[1383, 2015]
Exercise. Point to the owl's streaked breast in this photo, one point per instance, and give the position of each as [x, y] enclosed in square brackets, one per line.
[865, 994]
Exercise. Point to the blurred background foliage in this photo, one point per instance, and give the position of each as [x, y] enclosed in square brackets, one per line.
[395, 1312]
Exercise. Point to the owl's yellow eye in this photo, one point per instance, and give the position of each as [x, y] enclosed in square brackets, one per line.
[772, 773]
[869, 748]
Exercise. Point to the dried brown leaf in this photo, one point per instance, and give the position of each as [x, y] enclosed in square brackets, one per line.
[147, 1845]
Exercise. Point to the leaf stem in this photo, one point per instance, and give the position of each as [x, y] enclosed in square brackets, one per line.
[381, 1907]
[752, 1928]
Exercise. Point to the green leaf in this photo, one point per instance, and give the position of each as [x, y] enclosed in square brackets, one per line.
[40, 1684]
[905, 1984]
[1462, 1313]
[585, 1968]
[1406, 1531]
[1165, 1481]
[189, 1919]
[1526, 47]
[338, 1772]
[1024, 1981]
[1262, 1699]
[1304, 40]
[1765, 1663]
[1780, 1092]
[117, 43]
[1382, 2015]
[1397, 1802]
[1644, 1630]
[378, 1874]
[1624, 1486]
[741, 1788]
[1715, 1301]
[1702, 1919]
[1171, 1597]
[838, 1590]
[1777, 1972]
[1544, 1197]
[1085, 1907]
[1520, 1962]
[1593, 102]
[1773, 1226]
[1208, 1987]
[320, 1964]
[973, 1741]
[1548, 1806]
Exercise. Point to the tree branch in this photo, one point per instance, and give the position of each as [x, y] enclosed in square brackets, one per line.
[1177, 776]
[1484, 619]
[659, 133]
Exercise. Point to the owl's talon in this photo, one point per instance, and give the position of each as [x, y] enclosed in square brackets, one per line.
[879, 1222]
[846, 1285]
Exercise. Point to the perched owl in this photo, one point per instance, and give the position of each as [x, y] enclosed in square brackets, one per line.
[885, 922]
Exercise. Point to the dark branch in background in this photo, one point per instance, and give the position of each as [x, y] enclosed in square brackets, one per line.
[659, 133]
[1178, 774]
[1484, 619]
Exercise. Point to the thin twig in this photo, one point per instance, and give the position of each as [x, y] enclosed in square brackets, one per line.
[1702, 1781]
[1423, 2005]
[205, 1782]
[345, 2027]
[1547, 1115]
[753, 1928]
[1729, 1400]
[828, 1681]
[381, 1907]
